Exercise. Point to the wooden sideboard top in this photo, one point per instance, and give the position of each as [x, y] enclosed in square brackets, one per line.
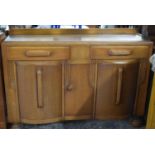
[14, 31]
[75, 36]
[78, 38]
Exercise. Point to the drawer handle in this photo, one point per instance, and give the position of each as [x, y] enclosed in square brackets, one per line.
[117, 52]
[39, 89]
[119, 85]
[37, 53]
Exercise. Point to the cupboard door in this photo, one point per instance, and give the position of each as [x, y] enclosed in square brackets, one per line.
[116, 88]
[79, 90]
[40, 91]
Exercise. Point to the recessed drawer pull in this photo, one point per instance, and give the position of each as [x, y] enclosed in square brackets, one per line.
[38, 53]
[118, 52]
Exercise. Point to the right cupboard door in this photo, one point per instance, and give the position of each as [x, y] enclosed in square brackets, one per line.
[116, 83]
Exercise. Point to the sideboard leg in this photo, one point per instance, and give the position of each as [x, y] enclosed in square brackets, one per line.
[137, 122]
[15, 126]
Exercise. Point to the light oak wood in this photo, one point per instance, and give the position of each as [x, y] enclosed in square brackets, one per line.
[2, 98]
[143, 75]
[77, 39]
[116, 88]
[12, 94]
[38, 53]
[79, 91]
[119, 85]
[79, 52]
[119, 52]
[95, 88]
[40, 90]
[62, 77]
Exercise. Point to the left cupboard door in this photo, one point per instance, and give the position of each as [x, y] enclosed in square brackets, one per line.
[40, 91]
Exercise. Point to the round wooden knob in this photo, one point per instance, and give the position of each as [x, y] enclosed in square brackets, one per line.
[70, 87]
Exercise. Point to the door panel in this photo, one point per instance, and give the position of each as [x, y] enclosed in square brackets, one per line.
[79, 90]
[116, 88]
[40, 90]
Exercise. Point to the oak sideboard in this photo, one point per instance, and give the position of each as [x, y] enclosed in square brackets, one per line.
[51, 75]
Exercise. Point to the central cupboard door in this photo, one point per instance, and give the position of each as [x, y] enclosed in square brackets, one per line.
[40, 90]
[79, 96]
[116, 88]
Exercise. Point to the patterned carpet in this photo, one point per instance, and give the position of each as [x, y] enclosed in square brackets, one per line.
[91, 124]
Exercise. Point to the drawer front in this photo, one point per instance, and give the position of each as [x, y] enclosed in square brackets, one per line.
[38, 53]
[119, 52]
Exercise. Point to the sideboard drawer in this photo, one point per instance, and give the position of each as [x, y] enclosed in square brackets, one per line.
[38, 53]
[119, 52]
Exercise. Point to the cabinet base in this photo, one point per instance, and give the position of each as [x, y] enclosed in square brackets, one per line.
[137, 122]
[15, 126]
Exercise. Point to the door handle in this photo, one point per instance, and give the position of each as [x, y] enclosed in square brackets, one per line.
[119, 85]
[39, 89]
[70, 87]
[68, 84]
